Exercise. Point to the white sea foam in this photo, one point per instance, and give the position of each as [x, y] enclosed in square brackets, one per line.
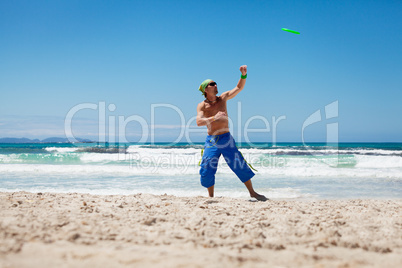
[10, 158]
[381, 162]
[158, 151]
[103, 158]
[311, 151]
[62, 149]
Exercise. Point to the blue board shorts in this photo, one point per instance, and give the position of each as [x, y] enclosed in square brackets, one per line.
[224, 144]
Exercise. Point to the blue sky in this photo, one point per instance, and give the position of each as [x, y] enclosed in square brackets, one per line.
[55, 55]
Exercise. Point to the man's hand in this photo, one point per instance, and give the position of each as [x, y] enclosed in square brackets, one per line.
[243, 69]
[220, 115]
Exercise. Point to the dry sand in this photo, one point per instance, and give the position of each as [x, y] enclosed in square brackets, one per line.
[82, 230]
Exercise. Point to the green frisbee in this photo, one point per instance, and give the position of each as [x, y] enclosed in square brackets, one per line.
[290, 31]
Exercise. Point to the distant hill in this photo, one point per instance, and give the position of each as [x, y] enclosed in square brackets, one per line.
[18, 140]
[48, 140]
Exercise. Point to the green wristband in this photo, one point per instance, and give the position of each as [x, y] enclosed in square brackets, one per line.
[243, 76]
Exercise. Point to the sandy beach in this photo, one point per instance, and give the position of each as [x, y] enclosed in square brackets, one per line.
[82, 230]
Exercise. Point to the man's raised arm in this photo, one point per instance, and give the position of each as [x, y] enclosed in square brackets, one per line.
[240, 85]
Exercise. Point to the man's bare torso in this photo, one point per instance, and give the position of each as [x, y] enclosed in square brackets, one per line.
[220, 126]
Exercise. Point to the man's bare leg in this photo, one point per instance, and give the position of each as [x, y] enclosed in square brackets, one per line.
[253, 193]
[211, 191]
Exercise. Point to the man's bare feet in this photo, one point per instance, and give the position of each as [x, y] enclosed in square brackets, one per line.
[259, 197]
[250, 189]
[211, 191]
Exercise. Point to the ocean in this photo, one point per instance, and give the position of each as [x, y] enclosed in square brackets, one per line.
[284, 170]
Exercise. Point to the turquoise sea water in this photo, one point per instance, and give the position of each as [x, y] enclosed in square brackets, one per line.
[285, 170]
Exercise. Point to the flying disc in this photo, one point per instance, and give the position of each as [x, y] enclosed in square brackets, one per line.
[290, 31]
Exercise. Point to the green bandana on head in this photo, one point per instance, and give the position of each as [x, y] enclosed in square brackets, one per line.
[204, 85]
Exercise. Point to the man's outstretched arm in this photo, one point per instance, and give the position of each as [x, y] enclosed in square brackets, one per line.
[240, 85]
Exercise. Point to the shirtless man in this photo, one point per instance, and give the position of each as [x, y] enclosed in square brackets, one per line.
[212, 113]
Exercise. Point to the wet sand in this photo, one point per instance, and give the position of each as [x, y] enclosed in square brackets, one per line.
[82, 230]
